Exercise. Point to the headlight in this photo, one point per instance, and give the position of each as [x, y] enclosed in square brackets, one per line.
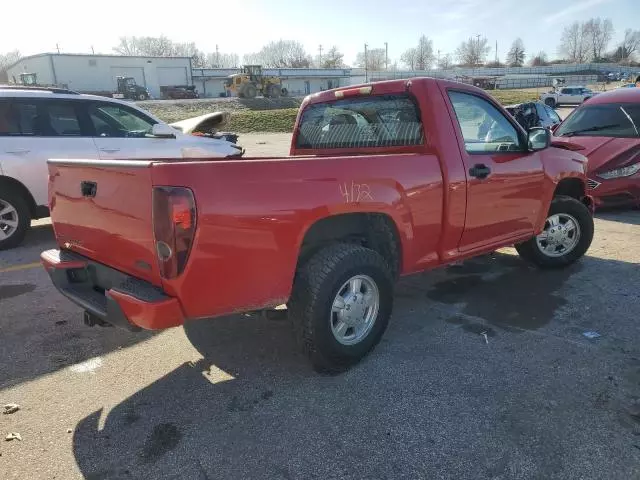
[621, 172]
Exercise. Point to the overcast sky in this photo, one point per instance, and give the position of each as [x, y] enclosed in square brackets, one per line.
[244, 25]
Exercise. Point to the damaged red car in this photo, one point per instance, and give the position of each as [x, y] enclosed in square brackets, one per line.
[606, 129]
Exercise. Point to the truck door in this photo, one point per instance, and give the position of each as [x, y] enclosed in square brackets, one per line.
[504, 179]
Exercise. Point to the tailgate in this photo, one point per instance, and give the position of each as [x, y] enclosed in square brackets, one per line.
[103, 210]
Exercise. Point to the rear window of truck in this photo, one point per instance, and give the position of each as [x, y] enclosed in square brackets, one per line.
[364, 122]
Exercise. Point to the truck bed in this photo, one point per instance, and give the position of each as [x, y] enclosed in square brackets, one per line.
[252, 216]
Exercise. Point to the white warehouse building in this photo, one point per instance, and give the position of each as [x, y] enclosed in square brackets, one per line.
[97, 73]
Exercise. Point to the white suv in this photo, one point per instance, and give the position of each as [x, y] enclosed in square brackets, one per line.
[37, 124]
[567, 96]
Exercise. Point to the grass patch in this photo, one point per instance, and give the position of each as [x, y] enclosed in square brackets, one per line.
[245, 121]
[509, 97]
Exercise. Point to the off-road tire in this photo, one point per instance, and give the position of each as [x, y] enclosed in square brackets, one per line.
[17, 201]
[530, 251]
[550, 102]
[142, 97]
[315, 288]
[250, 91]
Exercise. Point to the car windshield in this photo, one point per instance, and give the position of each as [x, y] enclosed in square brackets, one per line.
[612, 120]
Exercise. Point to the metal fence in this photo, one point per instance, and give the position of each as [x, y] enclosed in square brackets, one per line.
[561, 69]
[498, 82]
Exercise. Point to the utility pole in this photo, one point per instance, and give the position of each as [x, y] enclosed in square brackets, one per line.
[477, 55]
[496, 52]
[320, 56]
[386, 56]
[217, 57]
[366, 65]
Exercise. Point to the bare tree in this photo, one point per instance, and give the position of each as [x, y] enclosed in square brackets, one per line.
[127, 46]
[599, 33]
[333, 58]
[375, 59]
[473, 52]
[222, 60]
[574, 44]
[540, 59]
[628, 47]
[198, 58]
[420, 57]
[516, 54]
[161, 46]
[280, 54]
[445, 62]
[409, 58]
[6, 60]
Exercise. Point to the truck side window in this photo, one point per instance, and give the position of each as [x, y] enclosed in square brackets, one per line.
[484, 128]
[362, 122]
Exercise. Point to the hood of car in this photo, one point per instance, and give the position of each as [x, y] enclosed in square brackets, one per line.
[604, 153]
[205, 147]
[202, 123]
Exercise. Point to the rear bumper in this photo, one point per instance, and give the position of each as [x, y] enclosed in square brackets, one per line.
[110, 295]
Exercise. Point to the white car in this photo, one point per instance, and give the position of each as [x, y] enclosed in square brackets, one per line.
[573, 95]
[37, 124]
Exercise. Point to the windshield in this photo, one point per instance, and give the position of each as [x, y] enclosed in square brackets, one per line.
[613, 120]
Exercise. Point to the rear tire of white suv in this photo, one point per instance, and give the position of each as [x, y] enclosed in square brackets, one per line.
[15, 218]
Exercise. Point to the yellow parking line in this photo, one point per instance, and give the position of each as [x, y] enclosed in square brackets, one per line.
[25, 266]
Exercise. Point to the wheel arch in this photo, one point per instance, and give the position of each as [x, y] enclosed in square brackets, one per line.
[10, 182]
[575, 188]
[375, 230]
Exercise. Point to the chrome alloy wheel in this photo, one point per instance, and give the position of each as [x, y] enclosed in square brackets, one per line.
[354, 310]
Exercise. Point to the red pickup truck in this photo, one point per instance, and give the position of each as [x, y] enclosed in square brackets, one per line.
[383, 180]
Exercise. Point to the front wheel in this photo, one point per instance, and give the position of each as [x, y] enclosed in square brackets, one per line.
[567, 235]
[14, 218]
[341, 303]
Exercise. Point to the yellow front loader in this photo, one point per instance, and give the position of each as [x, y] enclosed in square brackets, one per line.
[251, 83]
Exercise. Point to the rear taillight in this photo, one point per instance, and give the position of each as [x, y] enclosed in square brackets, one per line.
[174, 227]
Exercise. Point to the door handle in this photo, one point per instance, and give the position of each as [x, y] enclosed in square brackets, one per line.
[18, 151]
[110, 150]
[479, 170]
[88, 189]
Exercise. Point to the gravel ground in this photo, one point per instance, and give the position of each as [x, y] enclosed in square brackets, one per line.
[231, 398]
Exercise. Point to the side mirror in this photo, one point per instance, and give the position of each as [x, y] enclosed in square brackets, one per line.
[538, 138]
[162, 130]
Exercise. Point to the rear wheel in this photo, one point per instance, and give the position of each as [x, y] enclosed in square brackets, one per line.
[341, 303]
[14, 218]
[550, 102]
[567, 235]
